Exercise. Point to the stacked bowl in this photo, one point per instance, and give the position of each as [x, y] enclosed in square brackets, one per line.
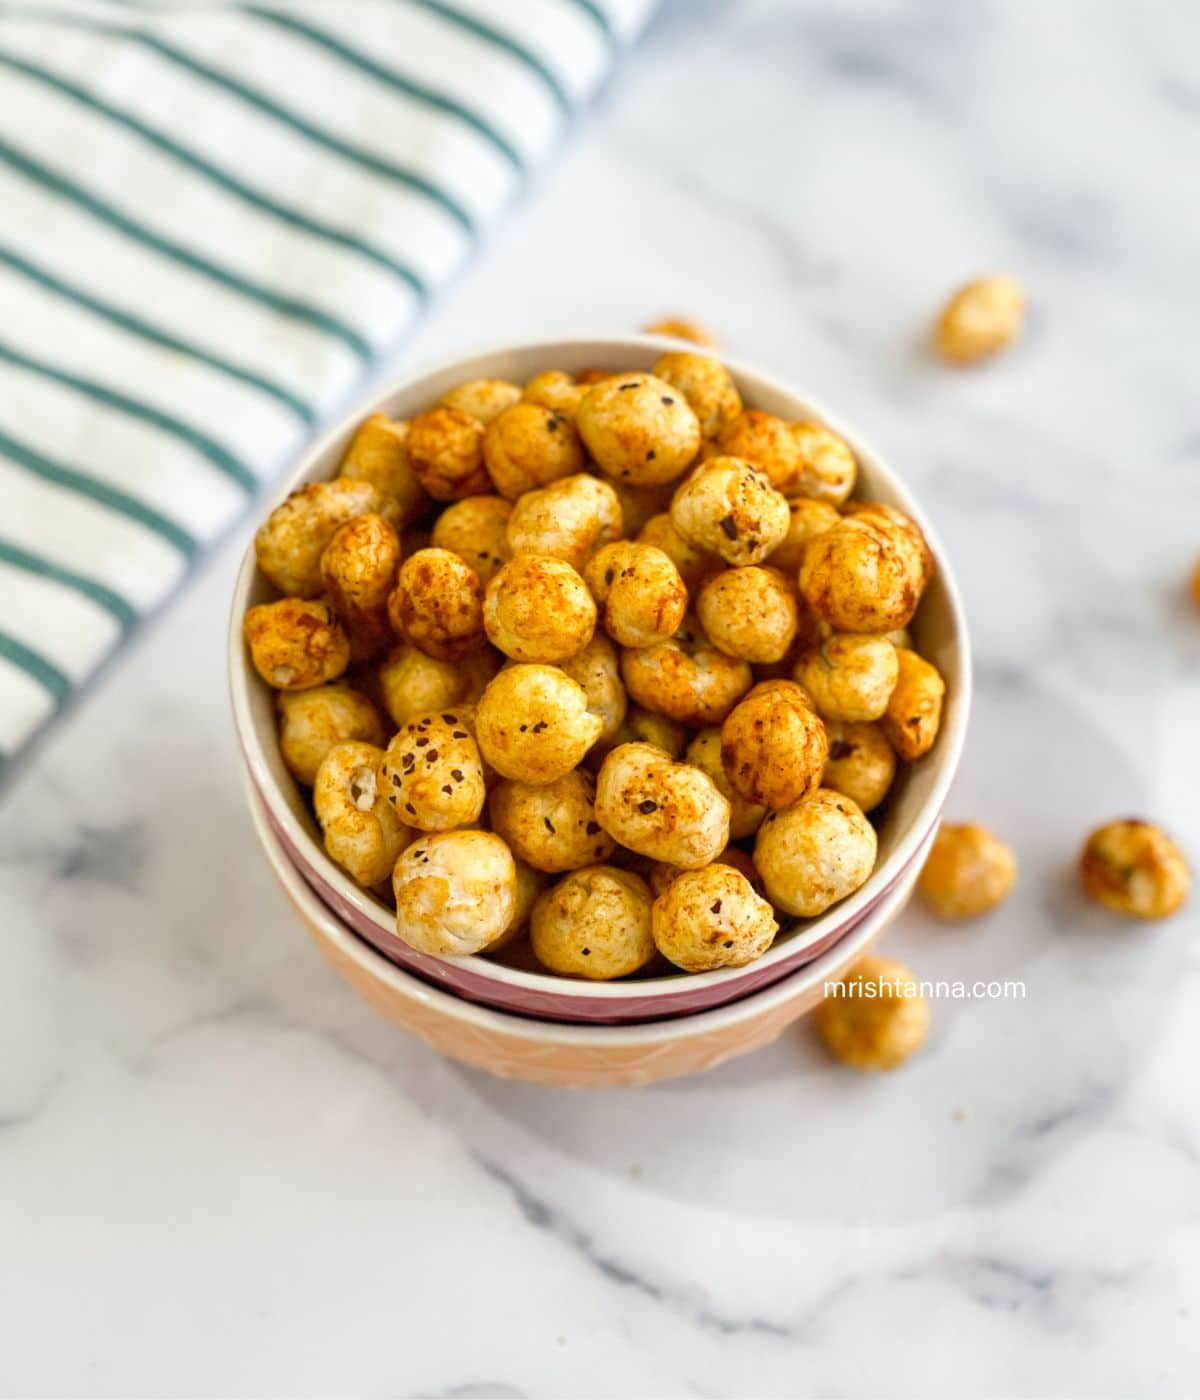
[507, 1016]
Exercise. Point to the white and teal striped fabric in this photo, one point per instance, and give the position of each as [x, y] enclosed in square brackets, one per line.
[215, 217]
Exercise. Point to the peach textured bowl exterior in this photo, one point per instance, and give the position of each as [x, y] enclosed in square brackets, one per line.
[910, 815]
[558, 1053]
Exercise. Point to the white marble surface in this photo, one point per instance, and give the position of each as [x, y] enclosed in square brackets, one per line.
[220, 1176]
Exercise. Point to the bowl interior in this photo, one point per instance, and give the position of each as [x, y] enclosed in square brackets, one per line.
[913, 805]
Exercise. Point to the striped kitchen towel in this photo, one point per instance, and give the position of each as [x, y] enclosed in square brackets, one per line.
[215, 217]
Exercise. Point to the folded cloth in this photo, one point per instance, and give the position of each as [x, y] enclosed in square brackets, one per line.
[216, 217]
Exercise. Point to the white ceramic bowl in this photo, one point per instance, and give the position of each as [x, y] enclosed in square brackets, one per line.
[552, 1052]
[910, 814]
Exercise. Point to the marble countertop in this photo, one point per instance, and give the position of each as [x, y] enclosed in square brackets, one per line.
[219, 1175]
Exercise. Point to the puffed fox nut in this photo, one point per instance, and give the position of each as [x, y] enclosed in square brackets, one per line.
[312, 721]
[361, 831]
[980, 319]
[456, 892]
[639, 429]
[680, 328]
[850, 676]
[551, 826]
[437, 604]
[768, 443]
[967, 872]
[289, 543]
[642, 598]
[359, 569]
[914, 709]
[529, 446]
[695, 565]
[704, 752]
[815, 853]
[712, 918]
[1133, 867]
[661, 874]
[296, 643]
[569, 519]
[888, 517]
[414, 683]
[445, 447]
[378, 454]
[750, 613]
[861, 762]
[432, 773]
[878, 1019]
[537, 608]
[598, 670]
[829, 469]
[595, 923]
[533, 724]
[706, 384]
[686, 677]
[483, 399]
[806, 519]
[729, 507]
[476, 529]
[554, 389]
[773, 745]
[662, 809]
[860, 576]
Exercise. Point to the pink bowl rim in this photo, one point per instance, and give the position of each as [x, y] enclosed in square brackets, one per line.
[699, 1023]
[657, 993]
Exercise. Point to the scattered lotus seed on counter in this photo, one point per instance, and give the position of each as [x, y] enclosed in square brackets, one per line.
[613, 666]
[1133, 867]
[877, 1018]
[680, 328]
[979, 320]
[967, 872]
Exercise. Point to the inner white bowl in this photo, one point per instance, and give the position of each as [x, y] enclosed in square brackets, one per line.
[913, 807]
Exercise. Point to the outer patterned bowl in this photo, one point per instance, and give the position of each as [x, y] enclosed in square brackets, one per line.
[911, 812]
[548, 1052]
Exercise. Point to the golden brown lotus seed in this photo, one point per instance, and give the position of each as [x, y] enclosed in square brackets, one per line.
[814, 854]
[980, 319]
[361, 830]
[967, 872]
[296, 643]
[445, 449]
[877, 1018]
[595, 923]
[1133, 867]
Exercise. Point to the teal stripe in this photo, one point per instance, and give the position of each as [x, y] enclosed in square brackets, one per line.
[98, 491]
[385, 74]
[599, 16]
[107, 213]
[91, 588]
[47, 675]
[499, 40]
[218, 175]
[209, 448]
[135, 325]
[252, 97]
